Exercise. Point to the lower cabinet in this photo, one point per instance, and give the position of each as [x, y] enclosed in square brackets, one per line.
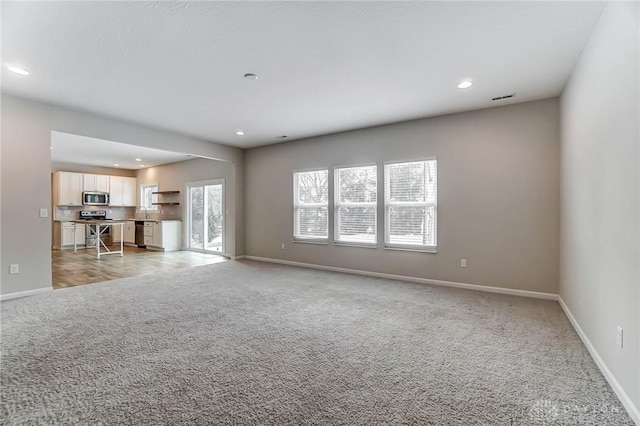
[63, 234]
[148, 234]
[165, 235]
[116, 233]
[130, 232]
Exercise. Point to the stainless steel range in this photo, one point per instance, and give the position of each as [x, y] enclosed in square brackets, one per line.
[91, 239]
[93, 215]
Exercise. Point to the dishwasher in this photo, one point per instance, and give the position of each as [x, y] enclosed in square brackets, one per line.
[140, 234]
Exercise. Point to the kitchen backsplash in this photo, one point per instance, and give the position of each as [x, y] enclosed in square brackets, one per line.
[71, 213]
[165, 212]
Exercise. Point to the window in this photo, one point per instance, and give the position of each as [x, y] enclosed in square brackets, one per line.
[310, 205]
[411, 201]
[147, 198]
[355, 204]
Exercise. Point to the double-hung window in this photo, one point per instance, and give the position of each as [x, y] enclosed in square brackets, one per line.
[310, 205]
[355, 204]
[147, 197]
[411, 201]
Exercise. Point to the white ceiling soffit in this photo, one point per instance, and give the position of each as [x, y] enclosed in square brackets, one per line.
[322, 67]
[76, 149]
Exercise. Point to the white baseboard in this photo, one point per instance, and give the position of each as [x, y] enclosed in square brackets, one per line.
[237, 257]
[633, 411]
[510, 291]
[18, 294]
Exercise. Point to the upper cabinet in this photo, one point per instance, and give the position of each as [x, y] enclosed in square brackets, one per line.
[98, 183]
[67, 188]
[122, 191]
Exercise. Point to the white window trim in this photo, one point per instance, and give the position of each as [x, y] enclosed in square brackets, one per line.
[408, 247]
[296, 206]
[142, 205]
[337, 204]
[186, 224]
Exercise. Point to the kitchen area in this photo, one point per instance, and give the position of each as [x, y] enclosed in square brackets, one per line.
[123, 216]
[81, 197]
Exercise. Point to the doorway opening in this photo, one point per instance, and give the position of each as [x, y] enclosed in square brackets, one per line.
[205, 216]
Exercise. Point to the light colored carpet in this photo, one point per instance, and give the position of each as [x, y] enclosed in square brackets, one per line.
[253, 343]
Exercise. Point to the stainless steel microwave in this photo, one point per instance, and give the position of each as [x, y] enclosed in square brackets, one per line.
[95, 198]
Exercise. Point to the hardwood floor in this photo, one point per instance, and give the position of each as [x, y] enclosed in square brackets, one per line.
[72, 269]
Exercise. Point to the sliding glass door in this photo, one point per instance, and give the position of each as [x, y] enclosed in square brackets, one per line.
[205, 216]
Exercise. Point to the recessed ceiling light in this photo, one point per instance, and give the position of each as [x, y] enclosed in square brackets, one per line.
[141, 165]
[250, 76]
[137, 159]
[464, 84]
[240, 133]
[17, 70]
[51, 147]
[117, 165]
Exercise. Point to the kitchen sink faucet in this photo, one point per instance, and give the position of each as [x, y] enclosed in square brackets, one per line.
[146, 212]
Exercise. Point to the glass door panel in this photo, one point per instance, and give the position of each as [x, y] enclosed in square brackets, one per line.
[196, 217]
[214, 217]
[206, 216]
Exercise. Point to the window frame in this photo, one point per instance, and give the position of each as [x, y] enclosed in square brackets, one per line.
[297, 206]
[337, 204]
[143, 205]
[387, 205]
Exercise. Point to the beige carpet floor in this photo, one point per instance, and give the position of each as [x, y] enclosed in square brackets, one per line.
[253, 343]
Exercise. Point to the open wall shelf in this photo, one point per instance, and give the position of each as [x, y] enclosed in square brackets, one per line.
[171, 200]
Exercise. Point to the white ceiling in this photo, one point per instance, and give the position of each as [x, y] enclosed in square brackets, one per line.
[323, 67]
[76, 149]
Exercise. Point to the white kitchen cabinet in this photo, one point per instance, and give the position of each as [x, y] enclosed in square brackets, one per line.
[115, 190]
[67, 188]
[122, 191]
[130, 232]
[66, 234]
[98, 183]
[129, 191]
[164, 235]
[157, 234]
[116, 233]
[80, 234]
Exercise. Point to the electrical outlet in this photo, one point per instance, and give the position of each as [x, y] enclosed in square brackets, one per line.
[14, 269]
[282, 246]
[620, 336]
[44, 212]
[463, 263]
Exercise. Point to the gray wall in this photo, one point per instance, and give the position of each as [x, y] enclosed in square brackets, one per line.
[83, 168]
[498, 196]
[25, 178]
[175, 176]
[600, 217]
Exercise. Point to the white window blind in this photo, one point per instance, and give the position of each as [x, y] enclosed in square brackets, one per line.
[411, 201]
[148, 197]
[355, 204]
[310, 205]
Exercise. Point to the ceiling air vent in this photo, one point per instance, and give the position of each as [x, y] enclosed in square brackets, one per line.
[503, 97]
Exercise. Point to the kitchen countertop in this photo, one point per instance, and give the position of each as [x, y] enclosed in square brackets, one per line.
[119, 220]
[137, 219]
[99, 221]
